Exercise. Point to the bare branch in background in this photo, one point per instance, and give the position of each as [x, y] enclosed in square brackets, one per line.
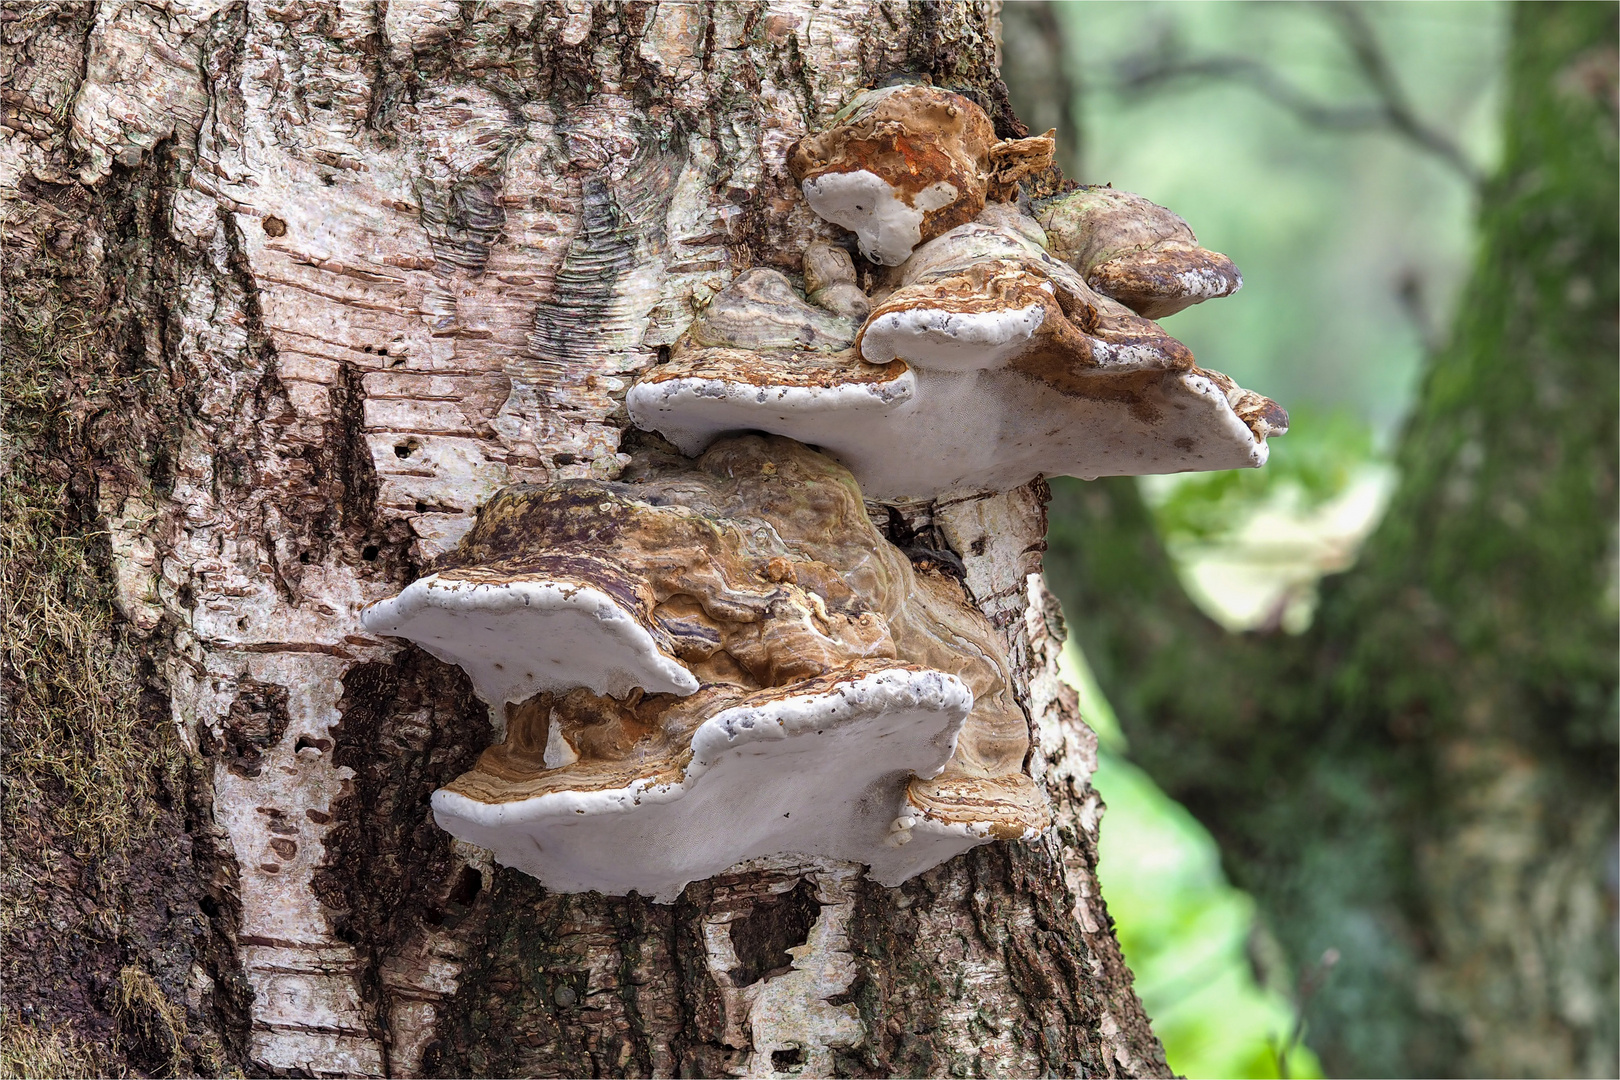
[1362, 39]
[1041, 80]
[1391, 110]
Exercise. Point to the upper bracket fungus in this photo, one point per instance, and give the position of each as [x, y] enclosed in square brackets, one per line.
[765, 674]
[1000, 346]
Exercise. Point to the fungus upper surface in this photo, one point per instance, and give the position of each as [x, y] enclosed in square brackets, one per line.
[984, 362]
[1135, 251]
[899, 166]
[837, 702]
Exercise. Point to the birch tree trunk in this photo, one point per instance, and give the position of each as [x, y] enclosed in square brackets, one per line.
[293, 288]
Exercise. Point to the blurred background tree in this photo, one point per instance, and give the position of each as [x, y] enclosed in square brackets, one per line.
[1411, 765]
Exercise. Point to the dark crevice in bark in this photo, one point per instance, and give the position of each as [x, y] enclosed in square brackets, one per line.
[775, 924]
[389, 875]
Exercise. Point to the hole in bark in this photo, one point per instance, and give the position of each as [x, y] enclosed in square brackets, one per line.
[421, 508]
[787, 1059]
[370, 552]
[763, 937]
[406, 449]
[368, 349]
[382, 352]
[310, 742]
[274, 226]
[303, 557]
[848, 996]
[256, 722]
[467, 887]
[209, 906]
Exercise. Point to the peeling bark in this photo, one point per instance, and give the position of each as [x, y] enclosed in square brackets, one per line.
[399, 256]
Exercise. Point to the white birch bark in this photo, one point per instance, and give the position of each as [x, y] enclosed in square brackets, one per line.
[422, 249]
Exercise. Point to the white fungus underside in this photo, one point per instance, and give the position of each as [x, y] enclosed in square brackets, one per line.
[868, 206]
[521, 638]
[813, 775]
[967, 431]
[690, 412]
[941, 340]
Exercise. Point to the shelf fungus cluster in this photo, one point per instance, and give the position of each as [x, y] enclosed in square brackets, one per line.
[711, 660]
[1002, 343]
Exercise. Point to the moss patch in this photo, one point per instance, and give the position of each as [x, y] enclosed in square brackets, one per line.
[109, 959]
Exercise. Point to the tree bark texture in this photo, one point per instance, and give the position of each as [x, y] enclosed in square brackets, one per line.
[1425, 781]
[293, 287]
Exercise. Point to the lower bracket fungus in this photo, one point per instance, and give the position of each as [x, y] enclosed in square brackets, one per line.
[737, 665]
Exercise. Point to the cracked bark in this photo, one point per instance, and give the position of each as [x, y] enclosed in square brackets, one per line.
[388, 259]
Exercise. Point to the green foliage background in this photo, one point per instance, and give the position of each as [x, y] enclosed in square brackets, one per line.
[1354, 244]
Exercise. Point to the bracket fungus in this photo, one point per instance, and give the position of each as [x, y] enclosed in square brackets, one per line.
[768, 675]
[1001, 344]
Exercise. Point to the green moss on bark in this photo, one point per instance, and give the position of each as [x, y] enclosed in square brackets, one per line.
[104, 938]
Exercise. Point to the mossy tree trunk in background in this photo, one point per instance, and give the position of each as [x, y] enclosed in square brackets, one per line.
[1425, 781]
[292, 289]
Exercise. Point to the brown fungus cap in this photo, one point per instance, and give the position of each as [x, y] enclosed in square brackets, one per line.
[1135, 251]
[899, 166]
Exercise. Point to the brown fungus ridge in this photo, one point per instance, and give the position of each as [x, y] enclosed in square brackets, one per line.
[1135, 251]
[913, 137]
[1016, 160]
[778, 369]
[760, 553]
